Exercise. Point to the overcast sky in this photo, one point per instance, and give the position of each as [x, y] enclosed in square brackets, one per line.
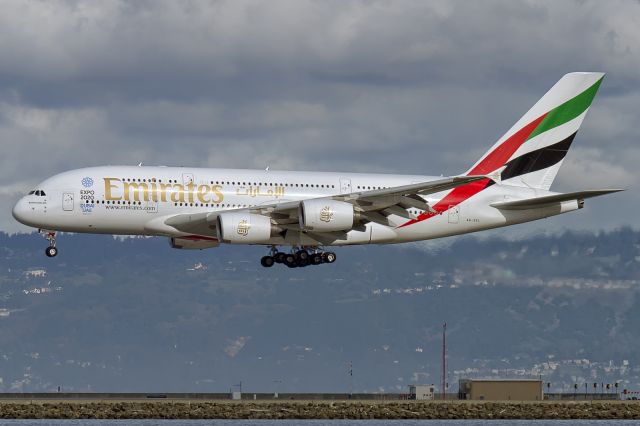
[418, 87]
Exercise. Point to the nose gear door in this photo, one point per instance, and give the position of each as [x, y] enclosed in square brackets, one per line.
[67, 201]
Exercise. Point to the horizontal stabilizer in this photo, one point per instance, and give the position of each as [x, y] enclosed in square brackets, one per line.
[532, 203]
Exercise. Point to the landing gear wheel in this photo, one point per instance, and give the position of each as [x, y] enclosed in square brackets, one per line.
[302, 262]
[302, 255]
[316, 259]
[290, 261]
[279, 257]
[51, 251]
[267, 261]
[329, 257]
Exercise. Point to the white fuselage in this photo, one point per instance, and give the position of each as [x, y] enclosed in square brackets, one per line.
[137, 200]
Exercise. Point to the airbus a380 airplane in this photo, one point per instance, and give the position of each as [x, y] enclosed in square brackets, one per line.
[200, 208]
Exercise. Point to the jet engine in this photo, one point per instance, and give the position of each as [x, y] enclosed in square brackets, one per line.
[192, 244]
[326, 215]
[245, 228]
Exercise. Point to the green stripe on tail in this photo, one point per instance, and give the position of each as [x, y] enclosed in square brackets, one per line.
[567, 111]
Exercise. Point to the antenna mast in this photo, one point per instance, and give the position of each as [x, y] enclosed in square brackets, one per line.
[444, 361]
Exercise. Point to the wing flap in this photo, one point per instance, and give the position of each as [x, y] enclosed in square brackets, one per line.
[423, 188]
[538, 202]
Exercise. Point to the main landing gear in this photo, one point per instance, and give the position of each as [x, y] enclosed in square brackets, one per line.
[50, 251]
[298, 258]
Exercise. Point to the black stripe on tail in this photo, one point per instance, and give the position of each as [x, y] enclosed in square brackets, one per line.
[538, 159]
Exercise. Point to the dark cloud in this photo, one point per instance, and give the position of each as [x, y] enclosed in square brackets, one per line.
[415, 87]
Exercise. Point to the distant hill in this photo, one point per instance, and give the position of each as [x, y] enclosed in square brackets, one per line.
[135, 315]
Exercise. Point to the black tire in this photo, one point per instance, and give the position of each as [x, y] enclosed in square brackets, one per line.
[302, 262]
[302, 255]
[51, 252]
[316, 259]
[267, 261]
[329, 257]
[279, 257]
[290, 261]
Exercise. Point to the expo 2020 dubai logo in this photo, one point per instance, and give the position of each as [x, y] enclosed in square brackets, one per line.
[87, 182]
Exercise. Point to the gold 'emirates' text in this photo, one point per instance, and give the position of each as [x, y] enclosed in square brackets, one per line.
[115, 190]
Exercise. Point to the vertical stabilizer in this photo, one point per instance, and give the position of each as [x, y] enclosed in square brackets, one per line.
[532, 151]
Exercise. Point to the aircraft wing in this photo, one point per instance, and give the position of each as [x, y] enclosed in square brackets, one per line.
[532, 203]
[373, 206]
[377, 204]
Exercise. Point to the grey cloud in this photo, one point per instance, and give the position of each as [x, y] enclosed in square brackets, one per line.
[405, 87]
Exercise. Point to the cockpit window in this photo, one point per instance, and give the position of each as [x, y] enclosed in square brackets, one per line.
[42, 193]
[31, 192]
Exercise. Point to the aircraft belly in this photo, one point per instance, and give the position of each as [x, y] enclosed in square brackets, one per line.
[96, 222]
[383, 234]
[466, 219]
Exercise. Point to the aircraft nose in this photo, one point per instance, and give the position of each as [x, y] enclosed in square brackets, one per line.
[20, 211]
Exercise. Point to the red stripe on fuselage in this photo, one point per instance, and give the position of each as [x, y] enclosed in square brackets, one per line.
[453, 198]
[492, 162]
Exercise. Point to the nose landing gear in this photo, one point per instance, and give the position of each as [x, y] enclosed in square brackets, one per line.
[298, 258]
[50, 251]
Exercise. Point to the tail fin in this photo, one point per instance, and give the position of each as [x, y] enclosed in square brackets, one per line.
[532, 151]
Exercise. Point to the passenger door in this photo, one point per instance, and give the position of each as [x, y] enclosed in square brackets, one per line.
[67, 201]
[454, 214]
[187, 178]
[345, 186]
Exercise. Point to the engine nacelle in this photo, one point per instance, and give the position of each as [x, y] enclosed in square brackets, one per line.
[192, 243]
[326, 215]
[245, 228]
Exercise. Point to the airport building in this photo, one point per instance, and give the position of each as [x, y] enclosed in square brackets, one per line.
[421, 392]
[500, 390]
